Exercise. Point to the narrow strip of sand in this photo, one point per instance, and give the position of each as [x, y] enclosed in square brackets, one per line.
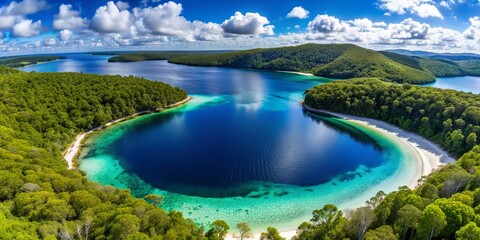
[287, 235]
[299, 73]
[76, 146]
[429, 155]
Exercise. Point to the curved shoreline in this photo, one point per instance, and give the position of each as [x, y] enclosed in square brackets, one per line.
[376, 126]
[74, 149]
[299, 73]
[430, 155]
[38, 63]
[427, 156]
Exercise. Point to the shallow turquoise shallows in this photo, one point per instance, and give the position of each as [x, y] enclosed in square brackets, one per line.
[242, 150]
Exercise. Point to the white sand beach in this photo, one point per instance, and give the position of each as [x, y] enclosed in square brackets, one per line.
[429, 155]
[76, 146]
[72, 151]
[299, 73]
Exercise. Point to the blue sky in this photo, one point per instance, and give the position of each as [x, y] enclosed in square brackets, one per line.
[44, 26]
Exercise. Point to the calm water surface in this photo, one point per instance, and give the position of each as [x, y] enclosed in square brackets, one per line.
[466, 84]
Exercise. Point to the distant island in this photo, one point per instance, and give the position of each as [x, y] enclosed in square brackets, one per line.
[340, 61]
[18, 62]
[148, 56]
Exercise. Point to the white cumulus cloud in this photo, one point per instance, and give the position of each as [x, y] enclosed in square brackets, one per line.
[207, 31]
[123, 5]
[250, 23]
[163, 19]
[65, 35]
[15, 12]
[473, 31]
[8, 21]
[362, 23]
[163, 26]
[298, 12]
[110, 19]
[166, 20]
[24, 7]
[326, 24]
[445, 4]
[409, 29]
[27, 28]
[68, 18]
[421, 8]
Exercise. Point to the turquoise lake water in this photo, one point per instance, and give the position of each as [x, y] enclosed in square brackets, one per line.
[242, 150]
[466, 84]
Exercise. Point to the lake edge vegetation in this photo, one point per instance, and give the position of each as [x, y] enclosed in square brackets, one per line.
[339, 61]
[446, 204]
[40, 198]
[23, 61]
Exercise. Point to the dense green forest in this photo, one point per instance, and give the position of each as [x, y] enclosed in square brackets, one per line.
[439, 67]
[148, 56]
[17, 62]
[448, 56]
[446, 205]
[40, 113]
[448, 117]
[330, 60]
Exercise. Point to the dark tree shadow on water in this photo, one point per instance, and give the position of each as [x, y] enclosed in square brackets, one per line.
[334, 122]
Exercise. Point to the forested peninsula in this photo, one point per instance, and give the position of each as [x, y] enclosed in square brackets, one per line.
[340, 61]
[18, 62]
[446, 205]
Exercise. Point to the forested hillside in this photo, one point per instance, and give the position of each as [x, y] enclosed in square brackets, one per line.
[360, 62]
[330, 60]
[40, 113]
[446, 205]
[439, 67]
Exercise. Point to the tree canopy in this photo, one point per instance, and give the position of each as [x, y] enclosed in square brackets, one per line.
[449, 118]
[446, 204]
[40, 114]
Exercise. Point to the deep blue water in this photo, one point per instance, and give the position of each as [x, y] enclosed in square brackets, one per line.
[224, 147]
[257, 131]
